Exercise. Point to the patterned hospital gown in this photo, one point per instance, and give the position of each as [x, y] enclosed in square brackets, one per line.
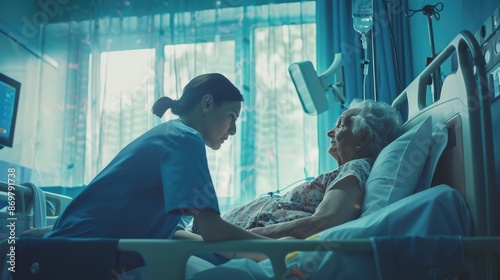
[300, 202]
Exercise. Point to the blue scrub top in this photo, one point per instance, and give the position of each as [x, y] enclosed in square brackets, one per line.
[145, 189]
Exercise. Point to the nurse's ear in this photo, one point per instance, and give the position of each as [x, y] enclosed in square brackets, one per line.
[207, 103]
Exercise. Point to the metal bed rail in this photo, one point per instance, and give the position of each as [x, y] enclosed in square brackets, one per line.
[167, 259]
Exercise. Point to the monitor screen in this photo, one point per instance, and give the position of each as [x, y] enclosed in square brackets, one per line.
[9, 100]
[309, 87]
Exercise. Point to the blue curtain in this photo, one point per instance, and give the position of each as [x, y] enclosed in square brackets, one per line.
[389, 40]
[393, 49]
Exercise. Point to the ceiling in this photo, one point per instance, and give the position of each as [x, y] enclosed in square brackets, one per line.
[76, 10]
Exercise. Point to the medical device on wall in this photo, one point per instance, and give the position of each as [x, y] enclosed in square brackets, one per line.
[311, 87]
[488, 36]
[9, 100]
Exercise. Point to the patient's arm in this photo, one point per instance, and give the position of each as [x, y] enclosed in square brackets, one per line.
[341, 203]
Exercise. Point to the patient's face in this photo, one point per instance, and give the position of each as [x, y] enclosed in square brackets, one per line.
[342, 141]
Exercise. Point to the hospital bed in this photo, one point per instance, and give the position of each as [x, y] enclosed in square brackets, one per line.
[456, 219]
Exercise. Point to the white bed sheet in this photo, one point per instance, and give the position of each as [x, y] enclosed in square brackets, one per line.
[438, 211]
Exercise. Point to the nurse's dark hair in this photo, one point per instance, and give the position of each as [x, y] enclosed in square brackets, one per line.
[221, 89]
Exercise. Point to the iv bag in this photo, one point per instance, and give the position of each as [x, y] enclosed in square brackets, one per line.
[362, 15]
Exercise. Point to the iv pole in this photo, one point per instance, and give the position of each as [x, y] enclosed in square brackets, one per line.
[436, 76]
[430, 11]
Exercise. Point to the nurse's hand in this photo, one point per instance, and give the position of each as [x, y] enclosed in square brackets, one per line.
[183, 234]
[257, 230]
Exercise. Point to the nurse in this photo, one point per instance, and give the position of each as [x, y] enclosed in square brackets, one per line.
[163, 175]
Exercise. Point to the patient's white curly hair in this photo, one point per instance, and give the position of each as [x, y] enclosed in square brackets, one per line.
[382, 122]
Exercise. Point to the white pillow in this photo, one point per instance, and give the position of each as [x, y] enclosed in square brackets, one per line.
[439, 141]
[398, 167]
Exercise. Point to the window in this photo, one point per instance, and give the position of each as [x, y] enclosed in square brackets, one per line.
[123, 110]
[286, 139]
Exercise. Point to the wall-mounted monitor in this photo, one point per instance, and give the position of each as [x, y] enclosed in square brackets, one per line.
[311, 87]
[9, 101]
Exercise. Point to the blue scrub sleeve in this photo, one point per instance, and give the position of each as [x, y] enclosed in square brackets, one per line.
[187, 185]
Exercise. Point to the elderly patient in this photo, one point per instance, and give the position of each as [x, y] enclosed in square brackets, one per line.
[334, 197]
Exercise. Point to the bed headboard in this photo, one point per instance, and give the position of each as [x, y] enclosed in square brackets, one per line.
[467, 163]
